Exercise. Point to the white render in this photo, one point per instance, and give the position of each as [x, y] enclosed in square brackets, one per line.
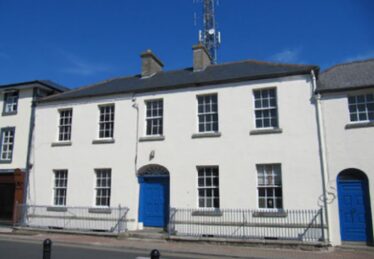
[346, 149]
[21, 122]
[236, 152]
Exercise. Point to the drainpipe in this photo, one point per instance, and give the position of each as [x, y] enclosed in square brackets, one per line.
[29, 145]
[136, 107]
[322, 151]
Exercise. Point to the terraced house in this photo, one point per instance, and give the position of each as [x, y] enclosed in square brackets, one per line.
[183, 148]
[16, 127]
[346, 95]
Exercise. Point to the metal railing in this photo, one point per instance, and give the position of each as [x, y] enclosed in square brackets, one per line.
[298, 225]
[82, 219]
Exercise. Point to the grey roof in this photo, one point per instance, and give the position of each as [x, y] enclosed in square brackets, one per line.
[46, 83]
[348, 76]
[165, 80]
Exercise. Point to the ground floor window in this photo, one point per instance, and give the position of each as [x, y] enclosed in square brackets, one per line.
[208, 187]
[103, 186]
[60, 187]
[269, 181]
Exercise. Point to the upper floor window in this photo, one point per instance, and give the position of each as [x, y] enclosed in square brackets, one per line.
[208, 113]
[6, 144]
[208, 183]
[266, 108]
[64, 127]
[106, 121]
[10, 102]
[103, 186]
[269, 181]
[361, 107]
[60, 187]
[154, 117]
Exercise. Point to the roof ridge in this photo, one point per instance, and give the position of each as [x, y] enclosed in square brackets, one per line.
[347, 63]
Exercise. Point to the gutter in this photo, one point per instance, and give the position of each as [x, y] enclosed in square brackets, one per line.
[322, 151]
[196, 83]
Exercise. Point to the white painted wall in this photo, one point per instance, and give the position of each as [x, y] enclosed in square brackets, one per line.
[21, 121]
[346, 148]
[236, 152]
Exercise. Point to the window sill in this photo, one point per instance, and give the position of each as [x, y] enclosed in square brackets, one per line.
[9, 113]
[57, 209]
[100, 210]
[359, 125]
[61, 144]
[151, 138]
[206, 135]
[265, 131]
[5, 161]
[207, 213]
[269, 214]
[103, 141]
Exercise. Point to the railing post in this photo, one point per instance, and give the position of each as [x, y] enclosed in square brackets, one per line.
[47, 249]
[119, 220]
[322, 225]
[172, 212]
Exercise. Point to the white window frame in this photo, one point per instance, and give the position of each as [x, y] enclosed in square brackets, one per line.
[100, 188]
[272, 186]
[107, 124]
[214, 188]
[204, 113]
[65, 125]
[60, 187]
[353, 108]
[151, 119]
[10, 102]
[7, 138]
[269, 108]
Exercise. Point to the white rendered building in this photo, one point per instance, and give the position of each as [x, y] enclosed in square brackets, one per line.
[16, 125]
[346, 97]
[239, 135]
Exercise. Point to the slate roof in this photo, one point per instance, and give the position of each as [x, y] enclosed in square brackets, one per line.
[47, 83]
[348, 76]
[166, 80]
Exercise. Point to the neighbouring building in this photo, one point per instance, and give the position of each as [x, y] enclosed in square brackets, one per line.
[16, 127]
[207, 139]
[346, 96]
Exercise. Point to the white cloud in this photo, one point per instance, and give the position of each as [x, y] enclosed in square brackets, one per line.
[79, 66]
[288, 56]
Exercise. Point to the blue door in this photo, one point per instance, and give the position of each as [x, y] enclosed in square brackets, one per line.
[353, 210]
[154, 201]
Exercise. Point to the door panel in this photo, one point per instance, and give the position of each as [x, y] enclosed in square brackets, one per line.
[6, 201]
[154, 201]
[353, 210]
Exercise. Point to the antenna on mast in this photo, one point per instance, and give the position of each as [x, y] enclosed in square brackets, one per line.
[209, 36]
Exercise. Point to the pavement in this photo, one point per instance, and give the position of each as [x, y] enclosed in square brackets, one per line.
[180, 249]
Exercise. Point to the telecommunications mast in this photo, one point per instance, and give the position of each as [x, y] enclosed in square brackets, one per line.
[209, 36]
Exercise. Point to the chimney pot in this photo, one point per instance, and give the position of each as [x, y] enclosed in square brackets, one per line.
[151, 64]
[201, 57]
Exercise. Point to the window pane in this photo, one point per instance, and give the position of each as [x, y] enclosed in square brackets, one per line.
[208, 189]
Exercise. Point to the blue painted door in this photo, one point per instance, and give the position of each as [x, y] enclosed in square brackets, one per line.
[353, 210]
[154, 201]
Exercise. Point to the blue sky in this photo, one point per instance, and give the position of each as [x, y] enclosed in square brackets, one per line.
[80, 42]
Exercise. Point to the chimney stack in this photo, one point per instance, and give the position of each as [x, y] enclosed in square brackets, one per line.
[201, 57]
[150, 63]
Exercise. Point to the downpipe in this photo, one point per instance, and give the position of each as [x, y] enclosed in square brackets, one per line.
[322, 151]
